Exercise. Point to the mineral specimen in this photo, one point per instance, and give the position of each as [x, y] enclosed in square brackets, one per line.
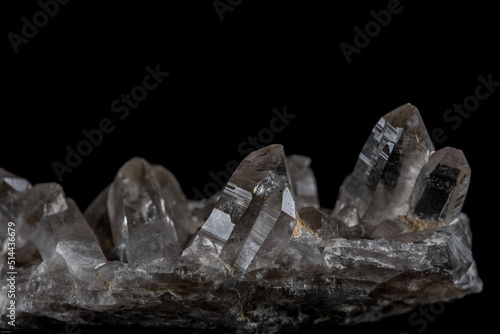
[261, 256]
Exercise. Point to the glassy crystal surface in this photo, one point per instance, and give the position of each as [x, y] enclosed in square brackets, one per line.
[441, 186]
[303, 181]
[13, 190]
[148, 213]
[255, 215]
[43, 200]
[260, 256]
[381, 185]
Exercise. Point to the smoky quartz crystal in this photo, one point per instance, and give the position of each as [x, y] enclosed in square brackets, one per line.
[261, 256]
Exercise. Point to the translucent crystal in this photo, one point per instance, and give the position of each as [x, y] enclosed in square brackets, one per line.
[393, 261]
[148, 213]
[43, 200]
[255, 215]
[51, 226]
[381, 185]
[97, 217]
[303, 181]
[302, 254]
[12, 191]
[441, 186]
[259, 257]
[318, 222]
[67, 232]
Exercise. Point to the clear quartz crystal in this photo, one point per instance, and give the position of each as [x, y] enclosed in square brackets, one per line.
[260, 256]
[51, 226]
[148, 213]
[65, 238]
[68, 233]
[255, 215]
[43, 200]
[13, 190]
[441, 186]
[381, 185]
[303, 181]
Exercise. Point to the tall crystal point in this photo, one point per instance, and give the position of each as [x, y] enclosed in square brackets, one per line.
[255, 215]
[148, 213]
[382, 182]
[12, 189]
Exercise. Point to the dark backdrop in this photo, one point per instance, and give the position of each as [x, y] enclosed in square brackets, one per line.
[229, 68]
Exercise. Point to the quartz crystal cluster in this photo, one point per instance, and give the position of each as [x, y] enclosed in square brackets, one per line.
[261, 256]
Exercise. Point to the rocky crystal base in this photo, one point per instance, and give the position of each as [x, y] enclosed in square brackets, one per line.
[261, 256]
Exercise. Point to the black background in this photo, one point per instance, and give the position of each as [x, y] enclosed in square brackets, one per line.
[225, 79]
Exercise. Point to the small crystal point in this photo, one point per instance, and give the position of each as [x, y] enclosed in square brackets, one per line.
[68, 227]
[52, 227]
[148, 213]
[44, 199]
[64, 235]
[381, 184]
[255, 215]
[303, 181]
[441, 186]
[12, 190]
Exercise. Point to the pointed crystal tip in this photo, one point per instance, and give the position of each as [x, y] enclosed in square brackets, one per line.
[441, 186]
[255, 215]
[380, 187]
[148, 213]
